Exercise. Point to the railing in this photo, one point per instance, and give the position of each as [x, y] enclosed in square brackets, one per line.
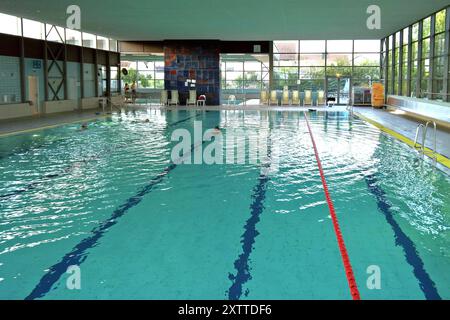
[424, 136]
[112, 105]
[349, 108]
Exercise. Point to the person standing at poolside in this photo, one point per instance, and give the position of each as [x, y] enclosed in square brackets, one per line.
[133, 92]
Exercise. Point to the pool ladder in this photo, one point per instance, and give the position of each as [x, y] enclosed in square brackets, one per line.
[349, 108]
[113, 105]
[424, 129]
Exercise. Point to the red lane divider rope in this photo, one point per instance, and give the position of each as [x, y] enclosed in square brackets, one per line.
[348, 267]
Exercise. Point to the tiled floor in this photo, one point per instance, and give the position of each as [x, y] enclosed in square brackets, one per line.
[407, 126]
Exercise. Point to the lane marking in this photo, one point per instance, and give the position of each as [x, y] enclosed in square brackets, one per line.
[427, 285]
[79, 253]
[345, 259]
[248, 238]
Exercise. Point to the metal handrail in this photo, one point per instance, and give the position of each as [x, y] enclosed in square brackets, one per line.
[424, 136]
[112, 104]
[349, 108]
[419, 126]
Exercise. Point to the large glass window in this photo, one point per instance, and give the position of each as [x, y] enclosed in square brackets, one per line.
[43, 31]
[426, 29]
[285, 59]
[439, 57]
[114, 70]
[113, 45]
[89, 40]
[415, 32]
[397, 64]
[389, 64]
[55, 33]
[146, 71]
[367, 46]
[290, 46]
[245, 75]
[384, 60]
[359, 60]
[33, 29]
[10, 24]
[339, 46]
[339, 59]
[73, 37]
[312, 60]
[312, 46]
[102, 43]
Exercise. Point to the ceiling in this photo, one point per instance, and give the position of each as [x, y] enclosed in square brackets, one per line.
[229, 19]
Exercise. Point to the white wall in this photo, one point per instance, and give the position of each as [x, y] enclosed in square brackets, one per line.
[60, 106]
[17, 110]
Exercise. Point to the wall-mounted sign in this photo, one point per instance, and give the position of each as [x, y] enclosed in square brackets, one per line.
[37, 64]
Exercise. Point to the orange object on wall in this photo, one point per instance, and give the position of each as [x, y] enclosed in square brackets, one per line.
[377, 95]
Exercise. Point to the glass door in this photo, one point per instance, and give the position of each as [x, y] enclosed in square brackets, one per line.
[339, 88]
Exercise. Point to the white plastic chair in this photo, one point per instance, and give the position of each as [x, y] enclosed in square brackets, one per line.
[174, 97]
[320, 98]
[264, 97]
[308, 98]
[285, 98]
[201, 101]
[295, 98]
[164, 100]
[273, 98]
[192, 98]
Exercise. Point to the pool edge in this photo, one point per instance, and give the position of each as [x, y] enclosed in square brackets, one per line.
[428, 152]
[51, 126]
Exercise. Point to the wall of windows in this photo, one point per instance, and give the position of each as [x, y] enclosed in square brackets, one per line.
[36, 30]
[244, 76]
[59, 76]
[415, 59]
[147, 71]
[305, 65]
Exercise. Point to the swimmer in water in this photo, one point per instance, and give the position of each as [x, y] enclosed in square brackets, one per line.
[84, 126]
[217, 130]
[143, 121]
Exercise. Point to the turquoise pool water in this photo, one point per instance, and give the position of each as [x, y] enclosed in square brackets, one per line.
[109, 200]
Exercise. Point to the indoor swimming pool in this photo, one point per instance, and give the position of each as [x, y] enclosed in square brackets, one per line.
[111, 201]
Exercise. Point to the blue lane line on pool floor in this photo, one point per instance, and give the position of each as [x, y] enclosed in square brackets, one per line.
[79, 253]
[427, 285]
[32, 185]
[248, 238]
